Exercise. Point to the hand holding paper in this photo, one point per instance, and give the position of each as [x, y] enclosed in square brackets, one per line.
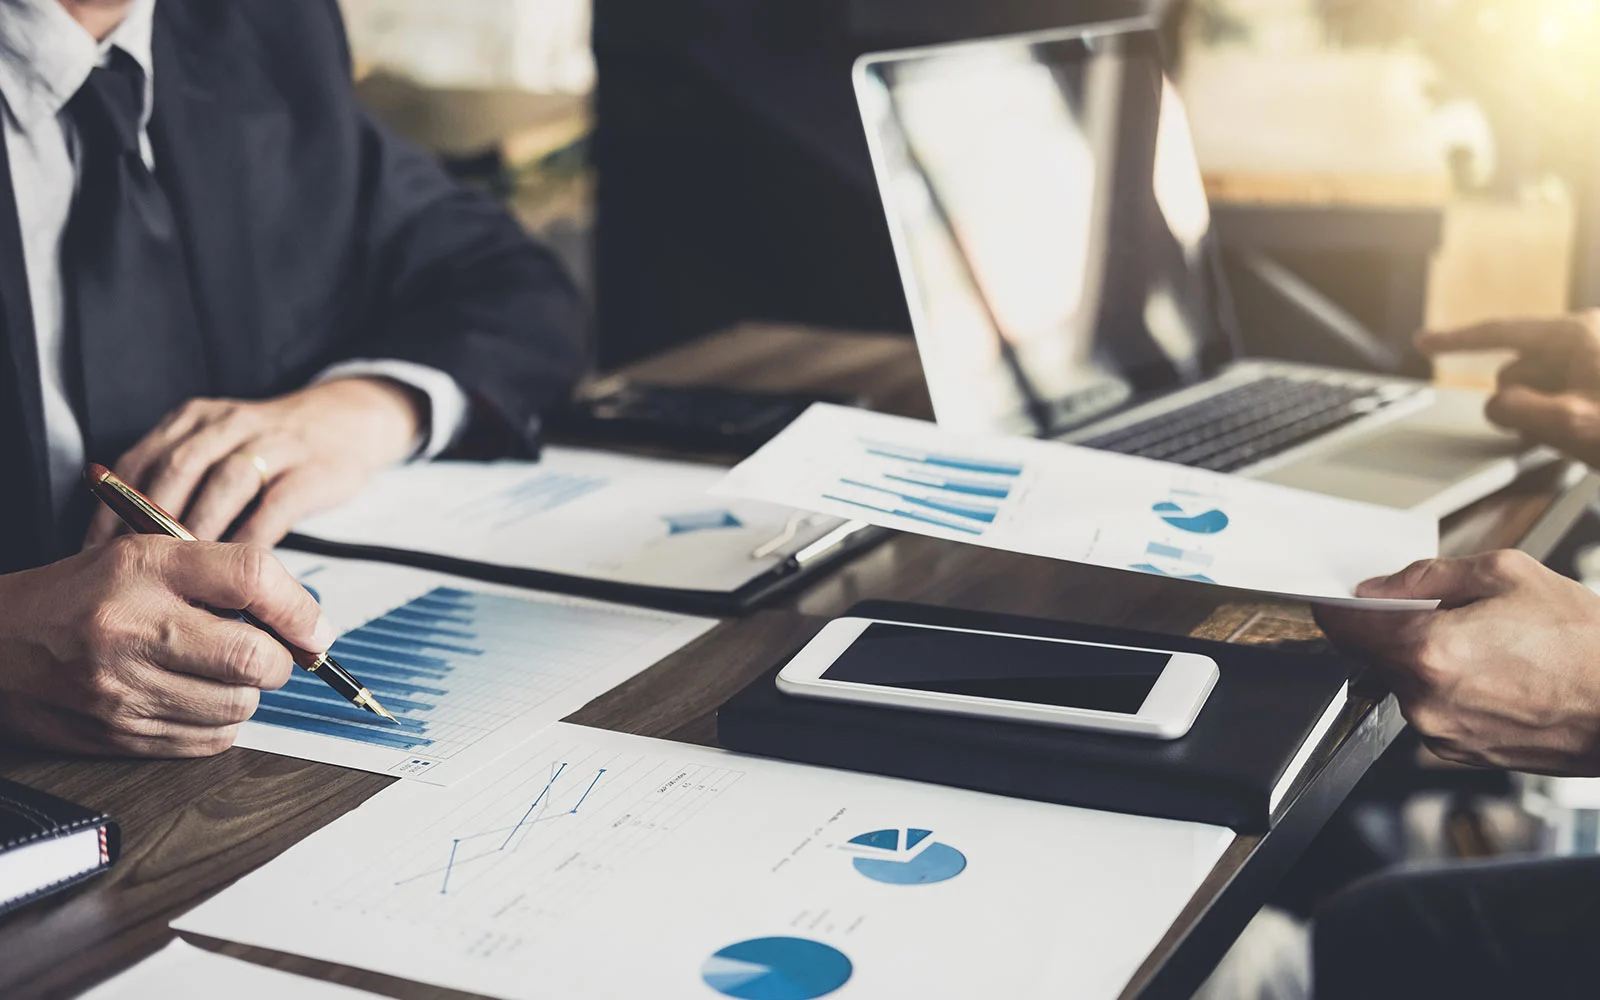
[1056, 500]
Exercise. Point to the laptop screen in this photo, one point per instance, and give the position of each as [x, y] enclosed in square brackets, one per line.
[1050, 223]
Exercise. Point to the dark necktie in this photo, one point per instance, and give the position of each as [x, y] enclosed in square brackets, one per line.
[132, 330]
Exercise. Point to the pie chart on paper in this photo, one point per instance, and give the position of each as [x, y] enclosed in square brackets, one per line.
[777, 968]
[1198, 522]
[908, 857]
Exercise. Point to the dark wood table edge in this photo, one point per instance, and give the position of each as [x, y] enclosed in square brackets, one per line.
[1254, 864]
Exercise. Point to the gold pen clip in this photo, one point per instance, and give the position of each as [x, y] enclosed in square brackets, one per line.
[150, 510]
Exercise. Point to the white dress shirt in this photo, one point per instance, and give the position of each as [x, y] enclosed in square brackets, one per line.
[45, 57]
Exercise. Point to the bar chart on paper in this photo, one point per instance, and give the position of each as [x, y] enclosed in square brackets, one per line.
[962, 493]
[1061, 501]
[469, 670]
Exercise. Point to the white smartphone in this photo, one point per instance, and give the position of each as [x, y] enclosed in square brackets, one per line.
[1057, 682]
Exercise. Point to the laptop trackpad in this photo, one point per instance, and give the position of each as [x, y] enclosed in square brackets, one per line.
[1422, 453]
[1401, 466]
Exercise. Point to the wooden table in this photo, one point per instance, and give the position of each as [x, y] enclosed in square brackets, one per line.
[193, 826]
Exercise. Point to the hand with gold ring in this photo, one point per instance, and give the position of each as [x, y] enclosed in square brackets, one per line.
[259, 464]
[247, 471]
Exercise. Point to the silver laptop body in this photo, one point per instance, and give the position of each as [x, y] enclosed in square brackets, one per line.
[1054, 240]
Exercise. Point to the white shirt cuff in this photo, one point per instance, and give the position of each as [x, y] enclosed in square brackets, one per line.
[448, 405]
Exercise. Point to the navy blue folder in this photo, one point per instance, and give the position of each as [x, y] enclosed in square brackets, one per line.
[1267, 705]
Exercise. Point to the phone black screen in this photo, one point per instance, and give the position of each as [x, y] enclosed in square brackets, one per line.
[1012, 668]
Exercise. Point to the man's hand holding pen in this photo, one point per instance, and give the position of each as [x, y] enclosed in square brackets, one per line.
[112, 650]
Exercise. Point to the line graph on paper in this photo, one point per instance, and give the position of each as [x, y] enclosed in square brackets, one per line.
[488, 844]
[531, 846]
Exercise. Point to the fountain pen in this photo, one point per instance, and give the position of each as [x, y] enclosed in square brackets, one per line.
[145, 517]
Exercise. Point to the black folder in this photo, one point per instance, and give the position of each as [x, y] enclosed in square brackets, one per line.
[1262, 720]
[786, 577]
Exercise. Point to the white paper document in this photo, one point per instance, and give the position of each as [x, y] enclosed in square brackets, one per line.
[638, 521]
[600, 865]
[470, 669]
[180, 971]
[1056, 500]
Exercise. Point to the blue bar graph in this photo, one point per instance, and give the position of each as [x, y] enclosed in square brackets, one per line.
[411, 658]
[958, 462]
[393, 653]
[1155, 570]
[996, 490]
[901, 512]
[541, 492]
[960, 493]
[983, 513]
[1163, 551]
[1180, 564]
[327, 727]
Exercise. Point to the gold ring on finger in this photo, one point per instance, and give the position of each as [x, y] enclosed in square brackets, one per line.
[259, 464]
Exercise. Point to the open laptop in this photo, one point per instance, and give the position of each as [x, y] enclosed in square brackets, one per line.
[1054, 239]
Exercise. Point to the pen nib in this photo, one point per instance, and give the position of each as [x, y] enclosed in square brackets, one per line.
[368, 702]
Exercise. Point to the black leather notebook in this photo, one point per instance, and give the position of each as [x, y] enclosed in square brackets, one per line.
[48, 844]
[1262, 721]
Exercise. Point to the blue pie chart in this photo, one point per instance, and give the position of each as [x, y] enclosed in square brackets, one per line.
[934, 863]
[776, 968]
[1205, 523]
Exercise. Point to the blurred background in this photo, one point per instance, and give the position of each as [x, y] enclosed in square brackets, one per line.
[700, 163]
[1374, 165]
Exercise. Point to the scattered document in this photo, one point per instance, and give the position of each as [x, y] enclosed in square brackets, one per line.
[596, 864]
[470, 669]
[180, 971]
[635, 521]
[1056, 500]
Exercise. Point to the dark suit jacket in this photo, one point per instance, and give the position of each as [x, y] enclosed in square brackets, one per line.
[313, 235]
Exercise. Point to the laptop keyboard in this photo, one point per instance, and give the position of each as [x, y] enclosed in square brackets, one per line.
[1250, 423]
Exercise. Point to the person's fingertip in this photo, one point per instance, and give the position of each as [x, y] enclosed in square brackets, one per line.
[1526, 409]
[323, 634]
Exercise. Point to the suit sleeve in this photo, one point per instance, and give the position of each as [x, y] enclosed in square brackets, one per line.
[454, 283]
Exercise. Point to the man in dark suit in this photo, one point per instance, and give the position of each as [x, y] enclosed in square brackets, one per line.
[219, 277]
